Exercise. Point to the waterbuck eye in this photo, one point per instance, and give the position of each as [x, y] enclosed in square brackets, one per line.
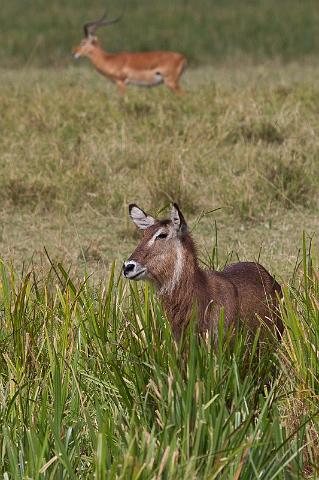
[161, 235]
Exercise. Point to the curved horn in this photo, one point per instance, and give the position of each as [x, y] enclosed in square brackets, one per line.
[91, 27]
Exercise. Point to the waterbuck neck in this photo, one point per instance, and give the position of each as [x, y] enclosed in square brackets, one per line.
[180, 293]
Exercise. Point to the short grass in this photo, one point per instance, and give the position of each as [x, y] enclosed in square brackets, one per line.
[74, 155]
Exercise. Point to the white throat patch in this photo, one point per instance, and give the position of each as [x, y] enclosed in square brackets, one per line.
[178, 268]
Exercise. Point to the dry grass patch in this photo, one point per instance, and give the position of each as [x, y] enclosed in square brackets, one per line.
[243, 140]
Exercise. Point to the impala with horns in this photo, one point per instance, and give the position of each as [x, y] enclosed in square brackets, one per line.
[166, 256]
[146, 69]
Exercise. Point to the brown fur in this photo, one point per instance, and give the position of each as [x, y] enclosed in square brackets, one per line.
[124, 67]
[245, 291]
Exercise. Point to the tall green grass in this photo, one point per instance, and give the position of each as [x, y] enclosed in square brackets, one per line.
[42, 33]
[92, 383]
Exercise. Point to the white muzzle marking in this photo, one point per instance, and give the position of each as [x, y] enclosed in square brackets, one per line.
[133, 270]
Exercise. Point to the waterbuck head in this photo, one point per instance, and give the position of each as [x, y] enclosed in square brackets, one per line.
[161, 254]
[90, 41]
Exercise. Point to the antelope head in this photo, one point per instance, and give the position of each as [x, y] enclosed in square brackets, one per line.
[160, 255]
[90, 41]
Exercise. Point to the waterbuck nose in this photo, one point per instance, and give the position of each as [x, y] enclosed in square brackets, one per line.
[128, 267]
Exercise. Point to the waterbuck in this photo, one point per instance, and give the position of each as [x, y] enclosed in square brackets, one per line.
[166, 256]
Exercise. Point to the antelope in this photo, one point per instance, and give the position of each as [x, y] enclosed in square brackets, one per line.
[166, 256]
[146, 69]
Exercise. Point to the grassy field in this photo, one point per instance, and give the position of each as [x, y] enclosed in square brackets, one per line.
[91, 382]
[42, 33]
[92, 385]
[74, 155]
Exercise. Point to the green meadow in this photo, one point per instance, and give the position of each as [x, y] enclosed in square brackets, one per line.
[92, 384]
[40, 32]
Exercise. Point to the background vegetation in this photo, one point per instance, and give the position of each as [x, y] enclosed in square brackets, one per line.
[91, 382]
[41, 33]
[74, 155]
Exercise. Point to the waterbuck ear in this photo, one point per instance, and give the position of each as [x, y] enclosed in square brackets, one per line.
[140, 218]
[178, 221]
